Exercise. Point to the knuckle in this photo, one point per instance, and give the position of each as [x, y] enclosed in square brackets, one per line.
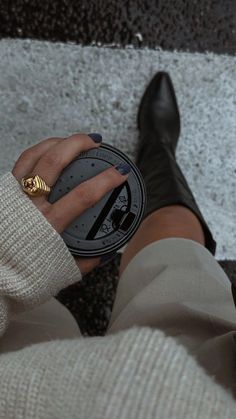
[48, 140]
[113, 178]
[52, 159]
[94, 189]
[26, 154]
[52, 140]
[86, 194]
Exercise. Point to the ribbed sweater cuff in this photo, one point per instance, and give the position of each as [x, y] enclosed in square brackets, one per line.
[34, 259]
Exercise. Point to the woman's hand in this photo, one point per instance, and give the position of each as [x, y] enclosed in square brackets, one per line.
[47, 159]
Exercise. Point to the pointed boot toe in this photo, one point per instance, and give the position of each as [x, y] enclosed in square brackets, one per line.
[158, 111]
[159, 125]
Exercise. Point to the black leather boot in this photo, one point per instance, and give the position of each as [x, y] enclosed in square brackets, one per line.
[159, 125]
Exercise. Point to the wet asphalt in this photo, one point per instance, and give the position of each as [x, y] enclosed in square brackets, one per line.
[190, 25]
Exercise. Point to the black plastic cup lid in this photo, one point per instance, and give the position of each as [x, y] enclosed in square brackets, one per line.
[108, 225]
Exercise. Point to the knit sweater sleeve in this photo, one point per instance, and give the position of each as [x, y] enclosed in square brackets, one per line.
[35, 263]
[137, 373]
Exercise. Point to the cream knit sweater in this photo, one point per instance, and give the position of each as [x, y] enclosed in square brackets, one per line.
[136, 373]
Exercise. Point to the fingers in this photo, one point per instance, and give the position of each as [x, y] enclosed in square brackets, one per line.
[30, 157]
[59, 156]
[66, 209]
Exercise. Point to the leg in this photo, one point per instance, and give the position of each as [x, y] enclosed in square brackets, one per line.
[178, 288]
[170, 221]
[49, 321]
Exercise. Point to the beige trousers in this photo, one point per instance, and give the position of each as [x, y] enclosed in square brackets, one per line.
[173, 284]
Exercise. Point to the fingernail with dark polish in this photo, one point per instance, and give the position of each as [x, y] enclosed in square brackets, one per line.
[107, 257]
[97, 138]
[123, 168]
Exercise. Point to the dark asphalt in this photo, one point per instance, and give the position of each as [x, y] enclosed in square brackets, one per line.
[190, 25]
